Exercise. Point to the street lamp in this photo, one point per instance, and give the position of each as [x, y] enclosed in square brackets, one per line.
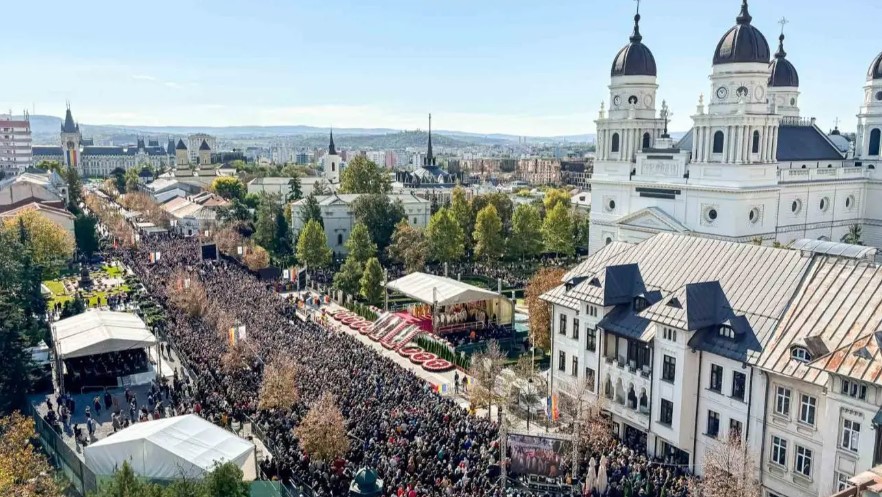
[529, 397]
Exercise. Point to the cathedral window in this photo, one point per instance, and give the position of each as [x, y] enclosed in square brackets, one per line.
[825, 204]
[646, 140]
[615, 143]
[796, 206]
[756, 142]
[718, 142]
[874, 141]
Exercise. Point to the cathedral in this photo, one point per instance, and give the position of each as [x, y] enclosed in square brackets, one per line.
[99, 161]
[751, 169]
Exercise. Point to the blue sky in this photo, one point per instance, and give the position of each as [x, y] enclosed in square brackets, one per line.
[535, 68]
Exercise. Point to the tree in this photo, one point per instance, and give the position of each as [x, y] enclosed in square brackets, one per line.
[237, 211]
[854, 235]
[322, 432]
[310, 210]
[503, 204]
[486, 366]
[557, 231]
[489, 242]
[74, 189]
[553, 197]
[85, 234]
[729, 470]
[409, 246]
[461, 209]
[539, 310]
[118, 176]
[51, 165]
[526, 232]
[225, 480]
[312, 246]
[265, 226]
[348, 278]
[132, 180]
[15, 377]
[445, 237]
[295, 192]
[359, 245]
[372, 282]
[282, 243]
[364, 176]
[380, 214]
[229, 187]
[593, 429]
[279, 387]
[528, 388]
[581, 226]
[256, 257]
[50, 245]
[126, 484]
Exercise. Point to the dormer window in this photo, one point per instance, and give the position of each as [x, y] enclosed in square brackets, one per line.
[727, 332]
[801, 354]
[640, 303]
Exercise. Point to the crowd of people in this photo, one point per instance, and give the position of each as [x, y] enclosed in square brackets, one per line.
[631, 473]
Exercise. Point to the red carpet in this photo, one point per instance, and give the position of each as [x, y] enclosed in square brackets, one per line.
[425, 323]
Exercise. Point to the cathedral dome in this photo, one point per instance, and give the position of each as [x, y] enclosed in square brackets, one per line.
[781, 71]
[742, 43]
[875, 71]
[634, 59]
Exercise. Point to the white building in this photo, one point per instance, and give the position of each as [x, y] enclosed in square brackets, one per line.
[15, 145]
[691, 339]
[339, 219]
[750, 168]
[281, 185]
[332, 163]
[194, 142]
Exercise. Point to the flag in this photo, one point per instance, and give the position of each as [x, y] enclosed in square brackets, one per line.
[151, 257]
[293, 272]
[158, 255]
[551, 407]
[233, 338]
[285, 274]
[442, 389]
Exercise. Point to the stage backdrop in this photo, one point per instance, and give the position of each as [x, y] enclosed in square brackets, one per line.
[532, 455]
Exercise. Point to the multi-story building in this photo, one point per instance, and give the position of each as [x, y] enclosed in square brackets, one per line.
[692, 339]
[751, 168]
[15, 145]
[539, 171]
[195, 140]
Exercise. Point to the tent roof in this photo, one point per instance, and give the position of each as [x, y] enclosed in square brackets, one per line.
[428, 288]
[99, 332]
[164, 448]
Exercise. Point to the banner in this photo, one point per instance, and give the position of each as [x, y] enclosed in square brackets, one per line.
[533, 455]
[551, 407]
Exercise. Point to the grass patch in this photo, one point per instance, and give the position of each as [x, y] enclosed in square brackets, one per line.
[56, 287]
[112, 271]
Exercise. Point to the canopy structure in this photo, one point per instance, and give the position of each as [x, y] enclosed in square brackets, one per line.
[172, 448]
[440, 291]
[99, 332]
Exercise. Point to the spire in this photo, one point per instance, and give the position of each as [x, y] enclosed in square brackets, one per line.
[744, 17]
[636, 37]
[780, 54]
[332, 150]
[430, 158]
[204, 146]
[69, 126]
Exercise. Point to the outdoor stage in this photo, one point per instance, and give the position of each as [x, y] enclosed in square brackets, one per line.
[424, 323]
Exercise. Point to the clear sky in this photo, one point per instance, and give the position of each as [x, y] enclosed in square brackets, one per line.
[527, 67]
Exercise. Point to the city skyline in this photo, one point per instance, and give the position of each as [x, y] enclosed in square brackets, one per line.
[386, 66]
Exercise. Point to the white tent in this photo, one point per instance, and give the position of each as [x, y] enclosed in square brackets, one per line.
[99, 332]
[430, 289]
[171, 448]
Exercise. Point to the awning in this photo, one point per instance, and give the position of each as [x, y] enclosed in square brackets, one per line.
[430, 289]
[99, 332]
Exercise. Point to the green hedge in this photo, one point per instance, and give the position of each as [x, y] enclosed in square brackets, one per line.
[441, 350]
[362, 310]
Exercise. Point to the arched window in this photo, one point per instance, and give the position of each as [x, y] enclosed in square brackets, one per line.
[646, 140]
[339, 238]
[756, 140]
[718, 142]
[333, 166]
[874, 141]
[614, 147]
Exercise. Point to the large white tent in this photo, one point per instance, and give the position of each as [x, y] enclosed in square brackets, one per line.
[99, 332]
[441, 291]
[172, 448]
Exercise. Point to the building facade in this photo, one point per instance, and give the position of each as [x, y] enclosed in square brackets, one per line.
[16, 153]
[689, 340]
[750, 169]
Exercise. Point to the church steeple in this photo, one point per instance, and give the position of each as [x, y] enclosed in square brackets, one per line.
[430, 157]
[332, 150]
[69, 125]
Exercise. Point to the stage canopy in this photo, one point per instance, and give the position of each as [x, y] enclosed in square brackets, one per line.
[171, 448]
[99, 332]
[431, 289]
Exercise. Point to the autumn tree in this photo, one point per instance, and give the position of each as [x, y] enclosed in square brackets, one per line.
[24, 471]
[461, 209]
[591, 424]
[729, 470]
[279, 387]
[526, 232]
[445, 237]
[348, 278]
[554, 196]
[372, 281]
[540, 311]
[503, 204]
[486, 366]
[229, 187]
[50, 245]
[362, 175]
[322, 432]
[489, 242]
[187, 293]
[557, 230]
[312, 246]
[255, 257]
[359, 245]
[409, 246]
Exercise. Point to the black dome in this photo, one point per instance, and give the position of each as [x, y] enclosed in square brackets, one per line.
[875, 71]
[742, 43]
[634, 59]
[782, 72]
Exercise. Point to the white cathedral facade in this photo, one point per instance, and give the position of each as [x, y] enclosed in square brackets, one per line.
[751, 168]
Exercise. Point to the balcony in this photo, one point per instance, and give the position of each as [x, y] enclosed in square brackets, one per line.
[821, 174]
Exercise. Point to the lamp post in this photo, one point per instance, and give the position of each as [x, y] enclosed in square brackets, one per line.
[529, 407]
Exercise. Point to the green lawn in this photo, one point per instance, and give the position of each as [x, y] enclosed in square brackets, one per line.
[112, 271]
[55, 286]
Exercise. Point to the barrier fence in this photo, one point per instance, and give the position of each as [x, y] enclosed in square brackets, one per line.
[63, 457]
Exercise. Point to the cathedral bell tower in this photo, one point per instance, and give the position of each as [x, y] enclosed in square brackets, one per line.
[868, 145]
[332, 162]
[71, 138]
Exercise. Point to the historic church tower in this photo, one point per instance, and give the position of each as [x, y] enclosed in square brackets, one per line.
[71, 138]
[869, 131]
[332, 162]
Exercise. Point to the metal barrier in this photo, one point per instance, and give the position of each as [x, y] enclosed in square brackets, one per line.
[62, 456]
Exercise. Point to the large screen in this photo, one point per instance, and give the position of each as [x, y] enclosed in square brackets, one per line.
[536, 455]
[209, 251]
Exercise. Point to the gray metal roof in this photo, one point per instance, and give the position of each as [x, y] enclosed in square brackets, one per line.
[834, 248]
[43, 150]
[805, 143]
[685, 142]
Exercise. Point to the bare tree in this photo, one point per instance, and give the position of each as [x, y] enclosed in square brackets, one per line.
[592, 427]
[729, 470]
[188, 294]
[527, 389]
[485, 369]
[279, 387]
[322, 432]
